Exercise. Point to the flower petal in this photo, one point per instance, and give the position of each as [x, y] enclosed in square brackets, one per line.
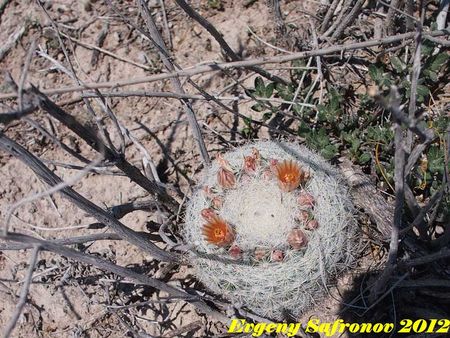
[218, 232]
[226, 178]
[289, 175]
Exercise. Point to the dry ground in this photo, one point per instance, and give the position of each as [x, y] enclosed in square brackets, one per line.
[68, 299]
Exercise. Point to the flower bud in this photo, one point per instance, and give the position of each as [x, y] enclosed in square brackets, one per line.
[235, 252]
[306, 200]
[249, 165]
[303, 216]
[260, 253]
[273, 165]
[256, 155]
[207, 191]
[208, 214]
[217, 202]
[267, 174]
[297, 239]
[226, 178]
[277, 255]
[223, 162]
[312, 225]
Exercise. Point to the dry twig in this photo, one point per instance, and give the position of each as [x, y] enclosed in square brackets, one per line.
[238, 64]
[118, 270]
[164, 53]
[98, 213]
[23, 293]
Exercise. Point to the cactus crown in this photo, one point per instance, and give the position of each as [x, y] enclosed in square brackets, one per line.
[280, 212]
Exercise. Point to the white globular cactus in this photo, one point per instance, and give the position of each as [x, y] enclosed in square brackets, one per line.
[271, 226]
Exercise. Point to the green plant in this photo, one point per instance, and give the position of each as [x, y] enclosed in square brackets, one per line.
[362, 132]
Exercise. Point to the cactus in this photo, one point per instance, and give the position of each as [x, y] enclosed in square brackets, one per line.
[284, 224]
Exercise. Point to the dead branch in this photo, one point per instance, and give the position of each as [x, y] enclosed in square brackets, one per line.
[365, 196]
[120, 271]
[349, 18]
[99, 43]
[444, 253]
[144, 93]
[48, 192]
[107, 52]
[91, 138]
[46, 133]
[16, 115]
[399, 179]
[98, 213]
[63, 241]
[121, 210]
[24, 74]
[414, 79]
[390, 19]
[344, 9]
[221, 41]
[186, 328]
[329, 15]
[442, 15]
[164, 53]
[230, 65]
[12, 39]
